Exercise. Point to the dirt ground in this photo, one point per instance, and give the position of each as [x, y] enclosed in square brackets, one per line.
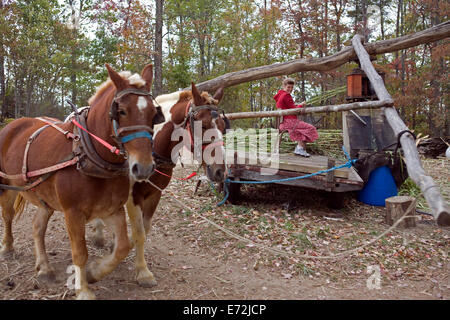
[192, 260]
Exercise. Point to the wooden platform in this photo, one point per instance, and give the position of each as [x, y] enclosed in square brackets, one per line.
[290, 165]
[295, 163]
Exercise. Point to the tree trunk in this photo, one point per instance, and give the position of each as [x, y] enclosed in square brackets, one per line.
[2, 79]
[397, 32]
[403, 58]
[29, 96]
[302, 52]
[366, 30]
[2, 88]
[73, 76]
[437, 67]
[158, 88]
[381, 5]
[18, 94]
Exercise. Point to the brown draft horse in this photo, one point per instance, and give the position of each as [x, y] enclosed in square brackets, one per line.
[81, 197]
[145, 198]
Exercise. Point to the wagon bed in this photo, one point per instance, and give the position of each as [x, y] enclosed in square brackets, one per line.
[290, 165]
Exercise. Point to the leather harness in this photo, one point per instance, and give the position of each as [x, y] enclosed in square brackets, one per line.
[83, 153]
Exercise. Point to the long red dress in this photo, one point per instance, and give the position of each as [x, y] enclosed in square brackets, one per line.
[298, 130]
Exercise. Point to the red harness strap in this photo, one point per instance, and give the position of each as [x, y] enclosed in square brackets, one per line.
[193, 174]
[103, 142]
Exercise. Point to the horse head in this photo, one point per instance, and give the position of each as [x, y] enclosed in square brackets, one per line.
[213, 122]
[132, 116]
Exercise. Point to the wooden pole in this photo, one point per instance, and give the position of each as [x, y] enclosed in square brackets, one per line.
[430, 189]
[438, 32]
[329, 108]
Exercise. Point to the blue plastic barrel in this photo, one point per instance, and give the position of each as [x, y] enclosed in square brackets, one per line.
[381, 185]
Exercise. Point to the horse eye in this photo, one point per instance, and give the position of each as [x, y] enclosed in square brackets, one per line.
[122, 112]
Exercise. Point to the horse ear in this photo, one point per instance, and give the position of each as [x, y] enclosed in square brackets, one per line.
[198, 100]
[147, 75]
[219, 94]
[118, 81]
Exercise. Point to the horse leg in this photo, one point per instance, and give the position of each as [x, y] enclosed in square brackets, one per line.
[40, 222]
[100, 268]
[144, 276]
[98, 239]
[7, 203]
[150, 206]
[140, 225]
[75, 224]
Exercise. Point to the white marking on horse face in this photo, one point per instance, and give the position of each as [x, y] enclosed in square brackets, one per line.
[142, 103]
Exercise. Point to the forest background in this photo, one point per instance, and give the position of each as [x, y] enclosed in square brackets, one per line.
[53, 50]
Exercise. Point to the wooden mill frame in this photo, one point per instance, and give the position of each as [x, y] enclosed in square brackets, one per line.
[440, 209]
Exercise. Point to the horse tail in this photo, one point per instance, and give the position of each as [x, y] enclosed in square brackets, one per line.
[19, 206]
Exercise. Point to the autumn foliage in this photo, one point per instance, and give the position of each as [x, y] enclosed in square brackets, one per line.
[51, 50]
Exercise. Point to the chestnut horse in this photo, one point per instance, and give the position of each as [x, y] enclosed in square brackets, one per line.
[180, 109]
[121, 104]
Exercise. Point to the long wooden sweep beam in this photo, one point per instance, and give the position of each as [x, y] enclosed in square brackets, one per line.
[329, 108]
[438, 32]
[430, 189]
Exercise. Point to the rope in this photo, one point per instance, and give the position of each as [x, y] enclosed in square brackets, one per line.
[348, 164]
[281, 252]
[193, 174]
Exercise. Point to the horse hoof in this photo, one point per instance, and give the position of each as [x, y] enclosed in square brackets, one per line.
[147, 282]
[86, 295]
[47, 277]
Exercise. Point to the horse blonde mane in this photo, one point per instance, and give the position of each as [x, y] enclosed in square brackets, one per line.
[209, 99]
[133, 79]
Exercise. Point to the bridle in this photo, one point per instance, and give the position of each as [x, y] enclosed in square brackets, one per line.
[144, 131]
[191, 111]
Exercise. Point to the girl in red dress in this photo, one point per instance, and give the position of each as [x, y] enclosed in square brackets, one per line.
[299, 131]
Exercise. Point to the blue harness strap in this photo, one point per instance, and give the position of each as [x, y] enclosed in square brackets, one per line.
[140, 134]
[132, 136]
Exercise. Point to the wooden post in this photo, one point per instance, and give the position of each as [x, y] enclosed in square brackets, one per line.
[430, 189]
[396, 208]
[330, 175]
